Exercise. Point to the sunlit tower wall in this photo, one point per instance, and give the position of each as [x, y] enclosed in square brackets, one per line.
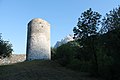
[38, 40]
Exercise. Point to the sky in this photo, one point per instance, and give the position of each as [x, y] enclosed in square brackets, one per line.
[61, 14]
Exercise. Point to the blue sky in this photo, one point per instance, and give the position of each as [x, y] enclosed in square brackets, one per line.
[61, 14]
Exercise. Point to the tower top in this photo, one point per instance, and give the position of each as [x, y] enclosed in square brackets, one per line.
[39, 20]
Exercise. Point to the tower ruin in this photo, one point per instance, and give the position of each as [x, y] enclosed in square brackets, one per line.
[38, 40]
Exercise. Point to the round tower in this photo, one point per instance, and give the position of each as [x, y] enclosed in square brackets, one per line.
[38, 40]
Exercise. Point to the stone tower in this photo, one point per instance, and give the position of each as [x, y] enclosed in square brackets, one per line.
[38, 40]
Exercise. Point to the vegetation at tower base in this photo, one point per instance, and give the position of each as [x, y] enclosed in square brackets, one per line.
[97, 53]
[66, 53]
[5, 48]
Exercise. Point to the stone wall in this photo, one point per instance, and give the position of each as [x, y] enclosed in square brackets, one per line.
[15, 58]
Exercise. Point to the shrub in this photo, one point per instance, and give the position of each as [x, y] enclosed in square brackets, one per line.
[5, 48]
[66, 53]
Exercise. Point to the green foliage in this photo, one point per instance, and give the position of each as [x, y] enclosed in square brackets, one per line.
[108, 50]
[66, 53]
[91, 52]
[87, 24]
[78, 65]
[111, 21]
[87, 29]
[109, 54]
[75, 64]
[5, 48]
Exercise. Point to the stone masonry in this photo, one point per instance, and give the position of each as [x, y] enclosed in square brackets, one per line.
[38, 40]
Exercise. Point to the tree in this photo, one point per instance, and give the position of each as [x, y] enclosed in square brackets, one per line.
[87, 24]
[5, 48]
[111, 21]
[87, 27]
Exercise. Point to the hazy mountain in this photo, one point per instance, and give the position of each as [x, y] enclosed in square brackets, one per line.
[64, 40]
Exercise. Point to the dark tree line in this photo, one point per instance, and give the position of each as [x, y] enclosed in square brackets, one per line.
[95, 51]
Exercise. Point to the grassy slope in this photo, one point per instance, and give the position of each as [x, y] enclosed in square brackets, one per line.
[39, 70]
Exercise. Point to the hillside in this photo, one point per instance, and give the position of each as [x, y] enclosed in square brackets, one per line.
[14, 58]
[39, 70]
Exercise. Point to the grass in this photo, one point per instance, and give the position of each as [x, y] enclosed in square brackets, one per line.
[40, 70]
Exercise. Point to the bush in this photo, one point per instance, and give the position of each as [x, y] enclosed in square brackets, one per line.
[79, 65]
[66, 53]
[109, 55]
[75, 64]
[5, 48]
